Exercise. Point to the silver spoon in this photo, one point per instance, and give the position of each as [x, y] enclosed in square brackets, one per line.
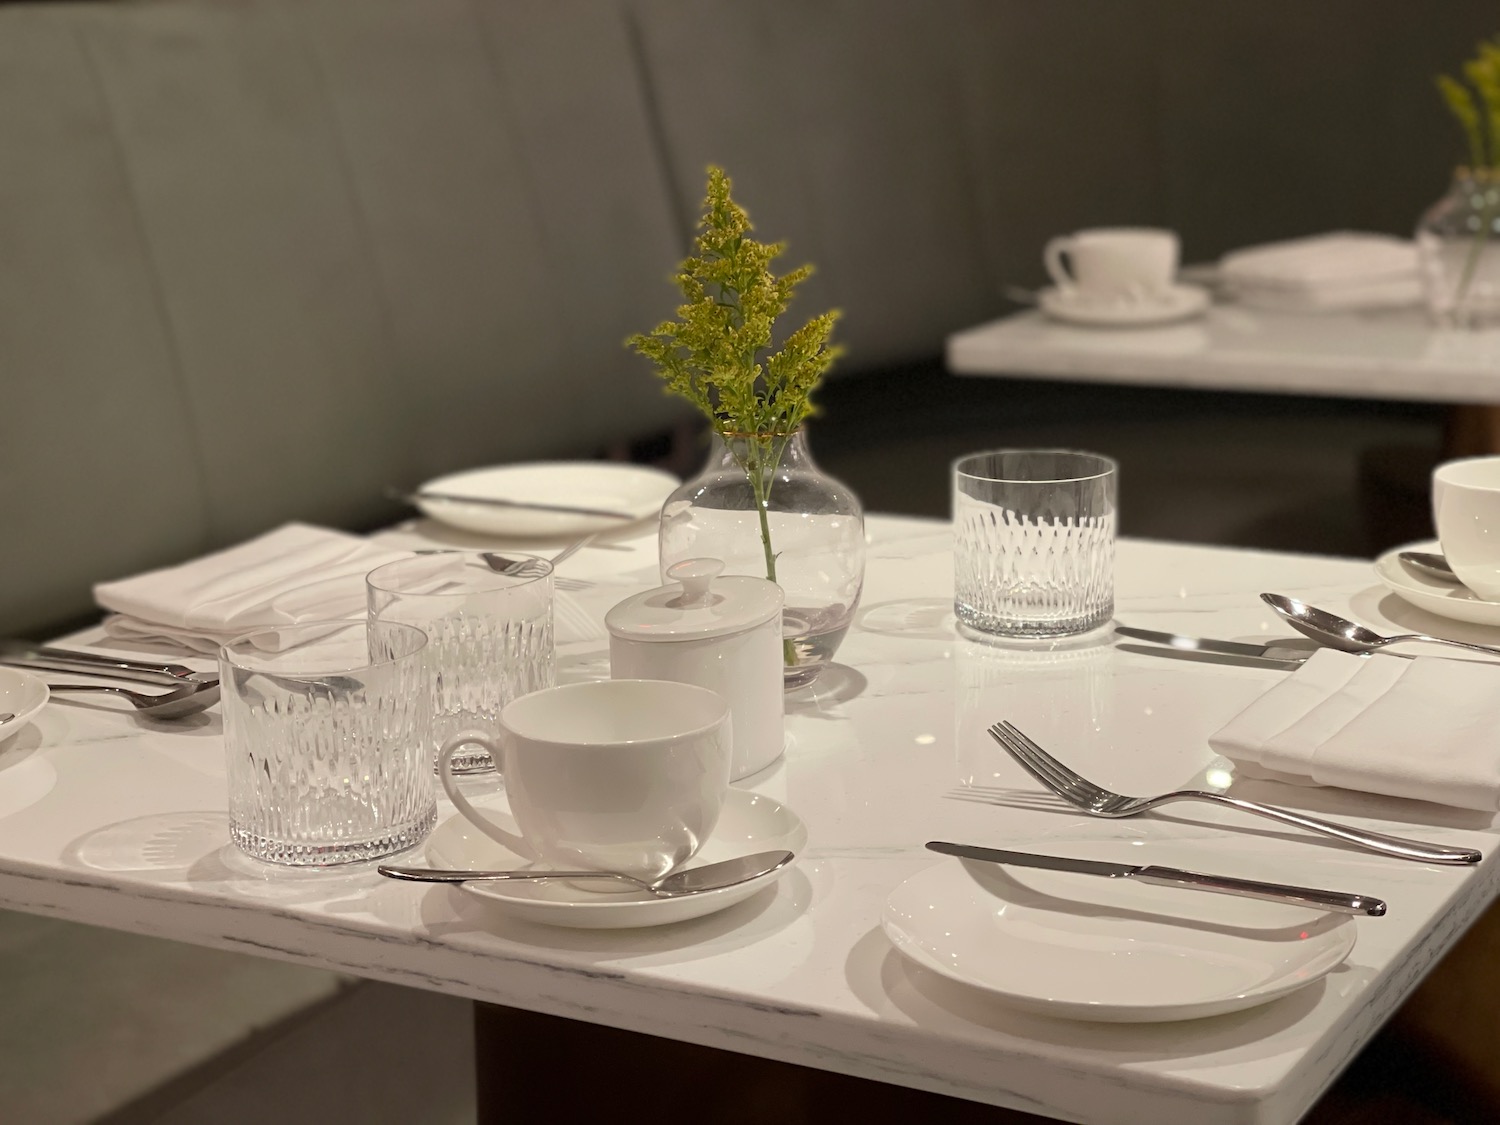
[1431, 564]
[1341, 633]
[693, 881]
[175, 704]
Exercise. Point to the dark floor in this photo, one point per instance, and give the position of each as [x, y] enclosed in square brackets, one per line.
[1275, 472]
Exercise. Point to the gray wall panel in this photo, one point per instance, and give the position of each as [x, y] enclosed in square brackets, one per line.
[99, 464]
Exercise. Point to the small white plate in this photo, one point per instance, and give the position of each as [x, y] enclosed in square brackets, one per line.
[22, 693]
[1112, 950]
[1446, 599]
[749, 823]
[1178, 303]
[606, 485]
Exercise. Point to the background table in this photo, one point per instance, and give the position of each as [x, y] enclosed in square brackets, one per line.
[108, 821]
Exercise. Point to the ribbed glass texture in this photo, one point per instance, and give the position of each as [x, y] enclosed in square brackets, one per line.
[488, 620]
[325, 730]
[1034, 543]
[1458, 252]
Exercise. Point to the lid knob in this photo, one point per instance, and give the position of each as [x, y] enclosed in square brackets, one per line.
[696, 575]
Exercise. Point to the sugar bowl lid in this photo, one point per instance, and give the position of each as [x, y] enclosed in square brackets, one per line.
[700, 602]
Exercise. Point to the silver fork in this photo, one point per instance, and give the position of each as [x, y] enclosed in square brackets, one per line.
[1098, 801]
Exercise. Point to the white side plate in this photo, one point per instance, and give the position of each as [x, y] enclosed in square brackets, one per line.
[1090, 948]
[1446, 599]
[1178, 303]
[606, 485]
[22, 693]
[749, 823]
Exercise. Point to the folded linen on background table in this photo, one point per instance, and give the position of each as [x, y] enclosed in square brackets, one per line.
[294, 574]
[1344, 270]
[1428, 729]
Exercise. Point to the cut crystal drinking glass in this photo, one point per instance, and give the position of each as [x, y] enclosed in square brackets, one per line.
[1034, 543]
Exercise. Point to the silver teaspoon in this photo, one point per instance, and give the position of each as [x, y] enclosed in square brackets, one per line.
[1431, 564]
[693, 881]
[1341, 633]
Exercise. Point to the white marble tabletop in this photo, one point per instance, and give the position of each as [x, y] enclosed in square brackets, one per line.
[1392, 354]
[108, 821]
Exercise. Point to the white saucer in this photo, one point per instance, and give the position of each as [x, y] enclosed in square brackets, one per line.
[22, 693]
[749, 823]
[1446, 599]
[607, 485]
[1177, 303]
[1111, 950]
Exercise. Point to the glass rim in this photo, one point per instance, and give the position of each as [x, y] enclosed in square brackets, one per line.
[1108, 466]
[511, 581]
[233, 652]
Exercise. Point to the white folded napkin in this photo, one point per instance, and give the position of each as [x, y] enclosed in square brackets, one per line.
[293, 574]
[1325, 272]
[1428, 729]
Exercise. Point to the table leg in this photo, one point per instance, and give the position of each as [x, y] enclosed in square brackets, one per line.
[1471, 431]
[531, 1067]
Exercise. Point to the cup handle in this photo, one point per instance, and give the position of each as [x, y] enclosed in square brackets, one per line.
[450, 786]
[1052, 257]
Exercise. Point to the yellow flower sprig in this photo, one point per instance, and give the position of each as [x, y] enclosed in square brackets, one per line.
[1478, 116]
[717, 354]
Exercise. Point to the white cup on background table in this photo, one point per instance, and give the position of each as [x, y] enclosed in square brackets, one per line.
[1113, 263]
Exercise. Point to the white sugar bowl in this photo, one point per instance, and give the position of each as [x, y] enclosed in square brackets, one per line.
[722, 632]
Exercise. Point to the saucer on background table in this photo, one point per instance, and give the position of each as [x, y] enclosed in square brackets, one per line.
[22, 694]
[1108, 950]
[749, 823]
[607, 485]
[1177, 303]
[1446, 599]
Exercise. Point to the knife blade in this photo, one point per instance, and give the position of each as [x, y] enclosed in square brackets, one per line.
[1197, 644]
[1290, 660]
[1340, 901]
[415, 498]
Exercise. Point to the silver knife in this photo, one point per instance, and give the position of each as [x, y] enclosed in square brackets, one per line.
[1340, 901]
[1276, 650]
[22, 654]
[415, 498]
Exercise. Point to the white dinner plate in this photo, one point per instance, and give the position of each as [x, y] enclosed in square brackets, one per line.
[1090, 948]
[606, 485]
[749, 823]
[1446, 599]
[22, 693]
[1178, 303]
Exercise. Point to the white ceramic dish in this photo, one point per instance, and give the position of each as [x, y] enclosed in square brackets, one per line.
[1089, 948]
[1178, 303]
[748, 823]
[606, 485]
[22, 693]
[1457, 603]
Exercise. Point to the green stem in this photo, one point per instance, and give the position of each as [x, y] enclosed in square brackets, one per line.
[761, 473]
[1471, 261]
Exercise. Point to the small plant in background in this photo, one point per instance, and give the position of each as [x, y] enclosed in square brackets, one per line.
[1477, 109]
[1479, 117]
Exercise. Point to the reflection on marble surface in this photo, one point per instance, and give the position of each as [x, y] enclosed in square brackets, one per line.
[122, 832]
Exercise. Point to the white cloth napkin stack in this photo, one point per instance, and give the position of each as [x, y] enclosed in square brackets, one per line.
[293, 574]
[1345, 270]
[1428, 729]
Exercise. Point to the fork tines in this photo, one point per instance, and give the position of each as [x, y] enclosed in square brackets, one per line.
[1048, 770]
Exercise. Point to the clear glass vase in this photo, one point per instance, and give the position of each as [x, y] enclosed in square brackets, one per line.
[1458, 250]
[764, 508]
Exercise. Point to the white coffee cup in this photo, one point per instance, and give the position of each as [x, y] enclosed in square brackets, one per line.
[1466, 510]
[611, 775]
[1113, 263]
